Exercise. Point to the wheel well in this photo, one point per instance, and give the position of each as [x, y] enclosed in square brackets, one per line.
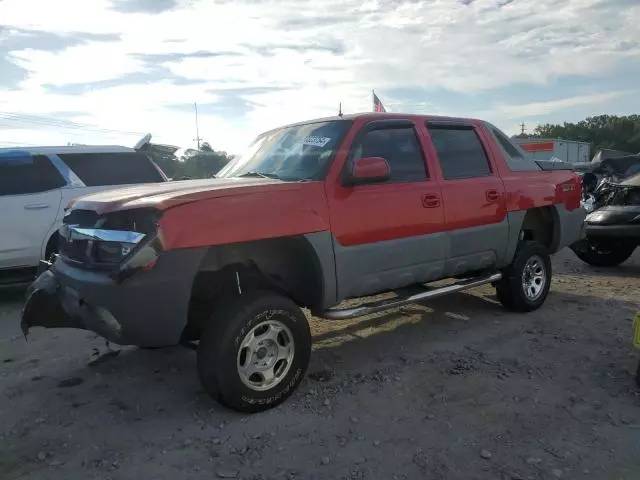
[286, 265]
[538, 225]
[52, 245]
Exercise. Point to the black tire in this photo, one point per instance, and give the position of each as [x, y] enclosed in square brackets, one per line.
[219, 350]
[510, 289]
[603, 253]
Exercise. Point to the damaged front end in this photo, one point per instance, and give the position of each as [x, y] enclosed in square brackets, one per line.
[42, 302]
[612, 225]
[616, 204]
[81, 287]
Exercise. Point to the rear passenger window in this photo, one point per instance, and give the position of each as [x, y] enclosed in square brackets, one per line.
[460, 152]
[22, 174]
[506, 145]
[517, 160]
[400, 148]
[96, 169]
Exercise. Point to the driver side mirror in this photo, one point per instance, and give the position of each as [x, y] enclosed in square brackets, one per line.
[368, 170]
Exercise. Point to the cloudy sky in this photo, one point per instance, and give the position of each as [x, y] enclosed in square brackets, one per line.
[108, 71]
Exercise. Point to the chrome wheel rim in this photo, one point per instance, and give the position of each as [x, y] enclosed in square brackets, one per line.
[534, 278]
[265, 355]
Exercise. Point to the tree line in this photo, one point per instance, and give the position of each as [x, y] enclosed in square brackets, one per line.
[602, 131]
[193, 163]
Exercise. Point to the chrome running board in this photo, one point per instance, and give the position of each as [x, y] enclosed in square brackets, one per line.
[374, 307]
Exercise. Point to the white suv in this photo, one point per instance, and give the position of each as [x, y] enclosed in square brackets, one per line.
[37, 183]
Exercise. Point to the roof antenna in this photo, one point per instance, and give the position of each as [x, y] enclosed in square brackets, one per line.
[340, 110]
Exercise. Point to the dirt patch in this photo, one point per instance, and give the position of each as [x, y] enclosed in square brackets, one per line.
[456, 388]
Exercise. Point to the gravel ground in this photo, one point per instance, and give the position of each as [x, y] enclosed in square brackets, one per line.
[458, 389]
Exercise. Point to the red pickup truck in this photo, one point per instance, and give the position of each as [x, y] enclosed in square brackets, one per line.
[313, 214]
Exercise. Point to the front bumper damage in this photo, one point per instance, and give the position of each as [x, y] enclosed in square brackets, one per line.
[51, 304]
[148, 309]
[618, 221]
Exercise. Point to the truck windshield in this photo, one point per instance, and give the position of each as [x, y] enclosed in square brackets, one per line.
[300, 152]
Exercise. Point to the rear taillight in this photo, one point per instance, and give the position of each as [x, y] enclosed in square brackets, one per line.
[573, 191]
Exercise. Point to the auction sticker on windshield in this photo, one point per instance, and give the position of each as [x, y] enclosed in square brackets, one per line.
[316, 141]
[636, 327]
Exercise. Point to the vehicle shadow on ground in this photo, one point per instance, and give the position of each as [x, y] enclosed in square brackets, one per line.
[10, 295]
[460, 308]
[137, 386]
[621, 271]
[630, 268]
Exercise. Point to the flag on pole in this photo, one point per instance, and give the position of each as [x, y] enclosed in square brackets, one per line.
[377, 104]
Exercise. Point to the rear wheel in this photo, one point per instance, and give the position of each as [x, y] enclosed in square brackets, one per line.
[525, 283]
[254, 352]
[603, 253]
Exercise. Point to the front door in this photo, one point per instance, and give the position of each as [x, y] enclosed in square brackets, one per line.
[387, 235]
[474, 200]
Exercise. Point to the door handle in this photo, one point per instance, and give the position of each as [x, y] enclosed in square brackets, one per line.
[36, 206]
[430, 201]
[492, 195]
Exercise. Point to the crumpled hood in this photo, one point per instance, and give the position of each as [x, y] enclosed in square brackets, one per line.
[632, 181]
[168, 194]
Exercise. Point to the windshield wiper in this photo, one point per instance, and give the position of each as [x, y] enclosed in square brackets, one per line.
[260, 174]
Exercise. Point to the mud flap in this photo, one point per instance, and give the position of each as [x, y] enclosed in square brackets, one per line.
[43, 307]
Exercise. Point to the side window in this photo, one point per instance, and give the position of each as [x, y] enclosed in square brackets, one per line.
[506, 145]
[22, 174]
[517, 160]
[460, 152]
[118, 168]
[400, 148]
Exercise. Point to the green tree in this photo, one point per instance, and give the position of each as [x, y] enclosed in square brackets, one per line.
[203, 163]
[602, 131]
[193, 163]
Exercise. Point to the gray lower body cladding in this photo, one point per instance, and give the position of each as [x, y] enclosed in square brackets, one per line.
[571, 227]
[147, 309]
[376, 267]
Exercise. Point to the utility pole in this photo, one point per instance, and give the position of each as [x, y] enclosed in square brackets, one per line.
[340, 110]
[522, 125]
[197, 139]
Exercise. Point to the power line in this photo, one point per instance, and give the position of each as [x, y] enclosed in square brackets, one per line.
[23, 123]
[58, 122]
[17, 144]
[61, 124]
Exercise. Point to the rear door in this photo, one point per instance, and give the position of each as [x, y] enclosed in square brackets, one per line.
[30, 196]
[473, 195]
[387, 235]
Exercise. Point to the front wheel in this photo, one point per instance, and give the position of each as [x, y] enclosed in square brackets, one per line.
[254, 352]
[525, 283]
[603, 253]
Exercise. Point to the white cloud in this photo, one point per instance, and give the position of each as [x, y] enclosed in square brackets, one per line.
[87, 63]
[545, 108]
[335, 51]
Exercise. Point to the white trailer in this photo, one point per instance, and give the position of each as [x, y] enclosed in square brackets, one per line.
[571, 151]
